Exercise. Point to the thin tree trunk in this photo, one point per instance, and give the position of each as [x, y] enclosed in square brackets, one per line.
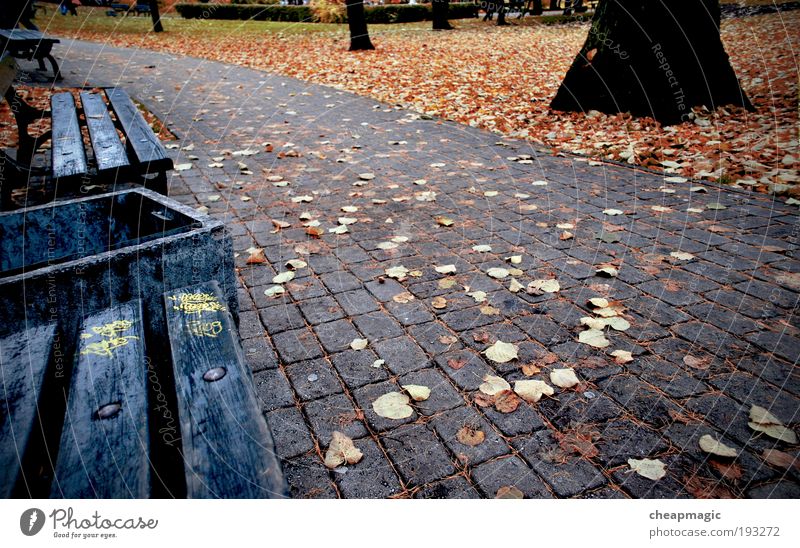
[357, 21]
[501, 13]
[656, 59]
[157, 26]
[538, 9]
[439, 9]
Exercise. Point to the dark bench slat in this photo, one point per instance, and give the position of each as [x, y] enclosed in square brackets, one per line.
[69, 158]
[141, 140]
[23, 363]
[227, 447]
[104, 453]
[109, 152]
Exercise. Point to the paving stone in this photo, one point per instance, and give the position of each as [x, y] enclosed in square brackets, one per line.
[772, 369]
[308, 478]
[336, 336]
[401, 355]
[386, 290]
[296, 345]
[670, 378]
[591, 406]
[777, 490]
[566, 475]
[728, 416]
[508, 472]
[340, 281]
[281, 318]
[411, 313]
[357, 302]
[273, 389]
[372, 477]
[258, 354]
[324, 309]
[417, 454]
[356, 368]
[434, 338]
[366, 396]
[640, 487]
[334, 413]
[623, 439]
[377, 326]
[290, 432]
[466, 368]
[313, 379]
[710, 338]
[640, 399]
[448, 424]
[750, 390]
[522, 421]
[674, 293]
[451, 488]
[781, 344]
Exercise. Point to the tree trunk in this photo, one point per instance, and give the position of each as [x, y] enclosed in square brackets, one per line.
[439, 10]
[656, 59]
[357, 21]
[157, 26]
[554, 4]
[538, 9]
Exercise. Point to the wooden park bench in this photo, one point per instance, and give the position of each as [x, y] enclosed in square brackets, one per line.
[30, 45]
[121, 147]
[108, 439]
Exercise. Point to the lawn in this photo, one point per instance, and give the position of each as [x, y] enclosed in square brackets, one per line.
[502, 79]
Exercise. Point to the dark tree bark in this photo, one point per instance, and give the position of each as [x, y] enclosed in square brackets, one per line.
[553, 5]
[537, 9]
[439, 10]
[501, 13]
[157, 26]
[357, 21]
[656, 59]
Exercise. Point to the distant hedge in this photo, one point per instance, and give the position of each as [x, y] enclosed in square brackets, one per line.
[390, 13]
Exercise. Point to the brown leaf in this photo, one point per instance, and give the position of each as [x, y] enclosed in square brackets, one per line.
[696, 363]
[470, 436]
[781, 459]
[506, 401]
[256, 257]
[530, 369]
[448, 339]
[456, 364]
[315, 231]
[509, 492]
[705, 488]
[729, 471]
[483, 400]
[481, 337]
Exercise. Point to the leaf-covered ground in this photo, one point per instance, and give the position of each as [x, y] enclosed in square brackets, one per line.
[503, 79]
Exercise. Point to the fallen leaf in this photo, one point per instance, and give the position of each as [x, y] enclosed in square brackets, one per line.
[680, 255]
[780, 459]
[283, 277]
[341, 450]
[417, 392]
[613, 212]
[762, 420]
[481, 248]
[506, 401]
[366, 176]
[514, 286]
[696, 363]
[256, 256]
[479, 296]
[497, 273]
[608, 271]
[539, 287]
[393, 405]
[509, 492]
[359, 344]
[446, 269]
[502, 352]
[710, 445]
[648, 468]
[622, 356]
[470, 436]
[493, 385]
[403, 298]
[439, 303]
[274, 291]
[296, 264]
[444, 221]
[514, 259]
[532, 390]
[456, 364]
[564, 378]
[594, 338]
[397, 272]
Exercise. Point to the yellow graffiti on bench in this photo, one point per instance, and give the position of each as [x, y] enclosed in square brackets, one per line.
[204, 329]
[196, 303]
[112, 338]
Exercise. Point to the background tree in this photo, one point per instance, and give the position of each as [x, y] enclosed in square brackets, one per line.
[439, 10]
[357, 21]
[157, 26]
[651, 58]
